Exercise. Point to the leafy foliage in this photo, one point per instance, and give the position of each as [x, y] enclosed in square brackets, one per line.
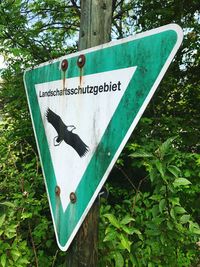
[151, 228]
[151, 217]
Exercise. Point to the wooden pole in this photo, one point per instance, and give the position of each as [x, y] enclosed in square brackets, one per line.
[96, 19]
[95, 30]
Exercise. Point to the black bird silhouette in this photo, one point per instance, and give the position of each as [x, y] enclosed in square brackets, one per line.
[64, 134]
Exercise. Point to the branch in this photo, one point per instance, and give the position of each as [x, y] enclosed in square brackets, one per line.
[77, 8]
[136, 189]
[70, 26]
[126, 176]
[16, 42]
[119, 29]
[54, 259]
[33, 245]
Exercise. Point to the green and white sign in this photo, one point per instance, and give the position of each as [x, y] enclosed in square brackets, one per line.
[83, 116]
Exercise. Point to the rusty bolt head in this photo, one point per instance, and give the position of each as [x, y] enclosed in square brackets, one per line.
[57, 190]
[81, 61]
[64, 65]
[72, 197]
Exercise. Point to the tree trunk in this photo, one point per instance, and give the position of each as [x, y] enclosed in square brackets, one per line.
[95, 30]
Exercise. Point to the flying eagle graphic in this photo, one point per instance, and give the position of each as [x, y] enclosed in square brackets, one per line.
[66, 135]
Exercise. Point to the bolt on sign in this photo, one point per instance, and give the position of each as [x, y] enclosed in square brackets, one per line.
[84, 107]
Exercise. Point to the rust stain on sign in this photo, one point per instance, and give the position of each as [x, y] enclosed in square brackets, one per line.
[64, 67]
[81, 62]
[64, 80]
[57, 191]
[81, 77]
[58, 206]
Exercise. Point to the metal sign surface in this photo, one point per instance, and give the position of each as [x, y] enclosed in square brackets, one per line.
[84, 109]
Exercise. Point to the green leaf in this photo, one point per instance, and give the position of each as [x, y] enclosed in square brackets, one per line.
[196, 231]
[160, 168]
[166, 146]
[153, 174]
[10, 235]
[15, 254]
[172, 213]
[175, 201]
[8, 204]
[3, 260]
[170, 225]
[133, 260]
[2, 219]
[179, 210]
[184, 219]
[119, 261]
[174, 170]
[127, 219]
[113, 220]
[141, 154]
[156, 197]
[125, 242]
[49, 243]
[162, 205]
[26, 215]
[155, 210]
[137, 232]
[181, 182]
[152, 232]
[12, 228]
[110, 236]
[23, 261]
[127, 229]
[193, 226]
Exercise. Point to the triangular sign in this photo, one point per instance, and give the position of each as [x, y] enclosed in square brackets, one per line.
[84, 108]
